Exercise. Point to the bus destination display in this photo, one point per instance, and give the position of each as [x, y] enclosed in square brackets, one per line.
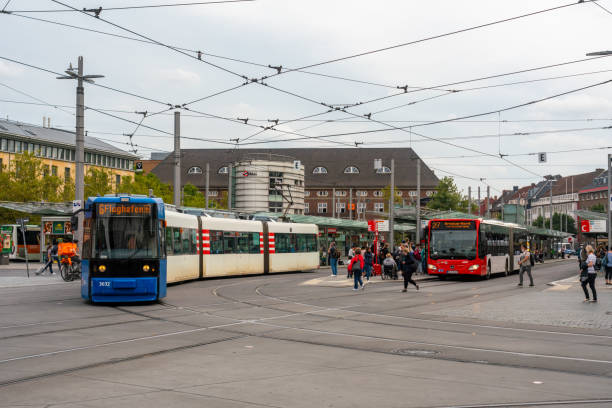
[453, 225]
[124, 210]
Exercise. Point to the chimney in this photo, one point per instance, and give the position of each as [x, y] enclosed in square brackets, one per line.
[44, 121]
[49, 122]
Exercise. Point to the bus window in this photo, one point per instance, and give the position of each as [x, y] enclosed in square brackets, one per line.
[185, 238]
[176, 238]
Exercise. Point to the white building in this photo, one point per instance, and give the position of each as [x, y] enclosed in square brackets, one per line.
[268, 186]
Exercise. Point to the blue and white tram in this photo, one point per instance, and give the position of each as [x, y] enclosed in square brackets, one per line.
[175, 247]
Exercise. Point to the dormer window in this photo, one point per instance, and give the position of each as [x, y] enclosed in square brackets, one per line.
[383, 170]
[195, 170]
[223, 170]
[351, 170]
[319, 170]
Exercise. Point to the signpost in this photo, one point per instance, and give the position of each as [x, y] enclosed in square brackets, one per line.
[592, 226]
[23, 222]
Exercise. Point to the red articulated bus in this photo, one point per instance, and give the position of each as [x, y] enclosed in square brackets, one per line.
[473, 247]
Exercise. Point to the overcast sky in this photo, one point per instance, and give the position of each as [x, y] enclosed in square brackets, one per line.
[297, 33]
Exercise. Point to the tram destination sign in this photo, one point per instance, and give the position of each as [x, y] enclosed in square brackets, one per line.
[453, 225]
[124, 210]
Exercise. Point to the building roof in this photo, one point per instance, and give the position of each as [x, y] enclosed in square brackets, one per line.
[34, 134]
[599, 182]
[577, 181]
[335, 162]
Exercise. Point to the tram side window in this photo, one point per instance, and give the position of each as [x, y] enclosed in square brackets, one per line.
[194, 241]
[285, 243]
[176, 238]
[169, 246]
[254, 243]
[216, 242]
[86, 254]
[186, 240]
[229, 242]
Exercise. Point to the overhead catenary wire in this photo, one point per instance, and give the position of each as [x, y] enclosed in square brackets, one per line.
[37, 99]
[602, 7]
[197, 3]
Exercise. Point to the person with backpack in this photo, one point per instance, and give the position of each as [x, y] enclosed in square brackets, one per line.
[351, 255]
[368, 258]
[409, 266]
[333, 255]
[525, 265]
[355, 267]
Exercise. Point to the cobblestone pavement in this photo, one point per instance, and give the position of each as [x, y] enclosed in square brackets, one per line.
[561, 304]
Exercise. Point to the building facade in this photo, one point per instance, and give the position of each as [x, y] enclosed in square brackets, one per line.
[595, 194]
[268, 186]
[337, 182]
[56, 149]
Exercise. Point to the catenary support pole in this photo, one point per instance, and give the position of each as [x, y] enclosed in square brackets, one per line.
[479, 203]
[418, 203]
[229, 186]
[333, 203]
[551, 206]
[207, 185]
[177, 158]
[469, 200]
[488, 201]
[391, 206]
[609, 199]
[351, 203]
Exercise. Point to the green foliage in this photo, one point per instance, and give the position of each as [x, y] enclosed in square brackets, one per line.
[27, 179]
[447, 197]
[142, 183]
[557, 219]
[598, 208]
[192, 197]
[98, 182]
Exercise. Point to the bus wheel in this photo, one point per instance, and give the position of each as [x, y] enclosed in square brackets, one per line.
[488, 275]
[506, 270]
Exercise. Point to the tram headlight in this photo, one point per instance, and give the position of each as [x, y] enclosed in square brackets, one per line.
[473, 267]
[430, 266]
[101, 268]
[146, 268]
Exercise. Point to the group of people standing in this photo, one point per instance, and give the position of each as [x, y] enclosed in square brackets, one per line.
[405, 258]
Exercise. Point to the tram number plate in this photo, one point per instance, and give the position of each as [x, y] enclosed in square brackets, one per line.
[106, 284]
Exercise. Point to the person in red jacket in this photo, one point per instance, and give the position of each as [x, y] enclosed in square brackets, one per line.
[356, 267]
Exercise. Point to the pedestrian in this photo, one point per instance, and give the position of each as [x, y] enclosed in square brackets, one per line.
[333, 256]
[390, 267]
[590, 275]
[525, 265]
[351, 254]
[417, 256]
[607, 263]
[368, 259]
[49, 263]
[355, 267]
[409, 266]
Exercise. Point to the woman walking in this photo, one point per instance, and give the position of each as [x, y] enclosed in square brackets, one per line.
[368, 258]
[607, 261]
[588, 274]
[355, 267]
[409, 266]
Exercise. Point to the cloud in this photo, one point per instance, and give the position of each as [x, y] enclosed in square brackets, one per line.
[178, 75]
[9, 70]
[580, 104]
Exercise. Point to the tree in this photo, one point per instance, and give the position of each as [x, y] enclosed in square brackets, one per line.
[28, 179]
[447, 196]
[142, 183]
[598, 208]
[557, 220]
[192, 197]
[98, 182]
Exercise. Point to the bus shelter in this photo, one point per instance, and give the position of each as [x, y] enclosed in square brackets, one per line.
[54, 230]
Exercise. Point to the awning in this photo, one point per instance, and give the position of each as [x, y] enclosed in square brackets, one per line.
[39, 208]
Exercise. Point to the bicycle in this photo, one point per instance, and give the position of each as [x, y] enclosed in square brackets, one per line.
[68, 271]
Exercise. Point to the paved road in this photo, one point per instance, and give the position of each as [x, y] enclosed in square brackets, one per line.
[303, 340]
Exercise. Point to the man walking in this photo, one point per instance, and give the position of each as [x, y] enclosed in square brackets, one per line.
[333, 255]
[525, 265]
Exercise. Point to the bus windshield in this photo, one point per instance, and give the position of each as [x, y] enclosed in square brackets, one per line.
[124, 237]
[453, 240]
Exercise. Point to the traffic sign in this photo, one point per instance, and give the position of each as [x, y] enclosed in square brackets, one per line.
[138, 166]
[76, 205]
[542, 157]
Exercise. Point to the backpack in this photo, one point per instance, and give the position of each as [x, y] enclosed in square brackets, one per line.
[356, 267]
[333, 253]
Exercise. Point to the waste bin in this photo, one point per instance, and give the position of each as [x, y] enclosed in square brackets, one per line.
[4, 259]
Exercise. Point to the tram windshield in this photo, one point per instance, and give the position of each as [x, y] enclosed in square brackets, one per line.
[123, 233]
[453, 240]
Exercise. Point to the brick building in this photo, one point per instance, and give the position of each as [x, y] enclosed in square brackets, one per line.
[333, 178]
[595, 193]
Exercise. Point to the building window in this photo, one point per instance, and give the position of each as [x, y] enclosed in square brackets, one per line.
[383, 170]
[223, 170]
[340, 208]
[275, 206]
[18, 146]
[117, 180]
[380, 207]
[430, 193]
[361, 193]
[37, 149]
[72, 155]
[3, 145]
[61, 154]
[378, 193]
[412, 193]
[307, 193]
[212, 193]
[398, 193]
[67, 174]
[306, 208]
[54, 171]
[319, 170]
[194, 170]
[322, 208]
[322, 193]
[341, 193]
[361, 207]
[11, 146]
[351, 170]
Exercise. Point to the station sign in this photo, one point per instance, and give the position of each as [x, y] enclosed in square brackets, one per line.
[593, 225]
[331, 230]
